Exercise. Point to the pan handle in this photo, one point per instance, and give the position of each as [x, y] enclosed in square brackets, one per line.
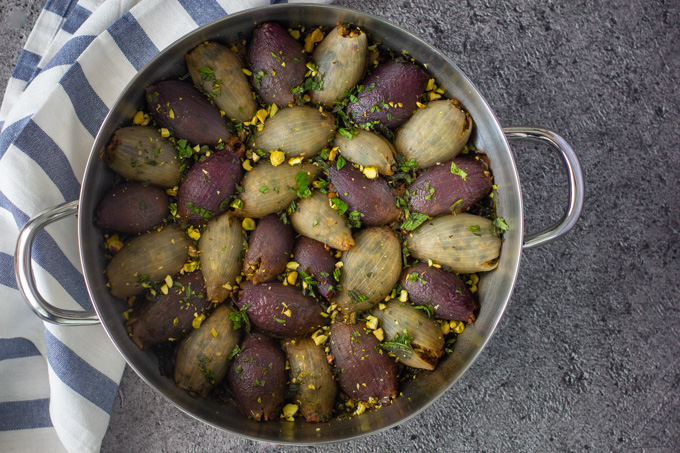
[24, 271]
[574, 174]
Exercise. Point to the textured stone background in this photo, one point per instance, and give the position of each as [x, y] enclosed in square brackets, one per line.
[586, 356]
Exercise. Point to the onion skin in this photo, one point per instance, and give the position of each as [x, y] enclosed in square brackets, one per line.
[427, 345]
[181, 108]
[169, 317]
[281, 188]
[203, 358]
[368, 149]
[221, 250]
[225, 69]
[373, 198]
[434, 134]
[269, 250]
[461, 241]
[283, 71]
[340, 59]
[394, 83]
[316, 259]
[257, 378]
[139, 153]
[207, 185]
[267, 303]
[365, 370]
[370, 270]
[311, 374]
[449, 188]
[444, 291]
[155, 254]
[297, 131]
[132, 208]
[315, 219]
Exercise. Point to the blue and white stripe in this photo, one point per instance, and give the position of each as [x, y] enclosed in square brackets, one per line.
[58, 384]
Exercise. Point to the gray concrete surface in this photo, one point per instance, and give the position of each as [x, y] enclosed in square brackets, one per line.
[586, 355]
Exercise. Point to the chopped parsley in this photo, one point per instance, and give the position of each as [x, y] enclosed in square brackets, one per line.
[414, 221]
[429, 309]
[498, 227]
[453, 206]
[339, 205]
[457, 171]
[354, 219]
[240, 319]
[356, 297]
[475, 229]
[234, 352]
[302, 180]
[399, 345]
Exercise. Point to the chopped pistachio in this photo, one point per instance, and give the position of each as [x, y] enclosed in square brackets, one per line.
[292, 277]
[277, 157]
[248, 224]
[139, 118]
[370, 172]
[198, 320]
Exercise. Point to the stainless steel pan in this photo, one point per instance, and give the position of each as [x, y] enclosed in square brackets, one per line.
[494, 287]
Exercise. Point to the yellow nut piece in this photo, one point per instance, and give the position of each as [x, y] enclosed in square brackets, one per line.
[198, 320]
[446, 328]
[371, 172]
[459, 327]
[191, 266]
[432, 96]
[430, 85]
[139, 118]
[213, 332]
[246, 165]
[320, 339]
[372, 322]
[165, 133]
[294, 33]
[164, 289]
[194, 233]
[237, 203]
[248, 224]
[292, 277]
[261, 115]
[247, 72]
[272, 110]
[277, 157]
[168, 281]
[379, 334]
[295, 160]
[403, 296]
[292, 265]
[289, 410]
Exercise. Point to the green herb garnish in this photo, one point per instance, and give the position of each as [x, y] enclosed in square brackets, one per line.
[414, 221]
[498, 227]
[457, 171]
[400, 345]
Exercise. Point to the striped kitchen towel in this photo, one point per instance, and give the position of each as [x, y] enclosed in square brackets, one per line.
[58, 384]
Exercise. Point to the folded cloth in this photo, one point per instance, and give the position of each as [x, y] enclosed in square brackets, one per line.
[58, 384]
